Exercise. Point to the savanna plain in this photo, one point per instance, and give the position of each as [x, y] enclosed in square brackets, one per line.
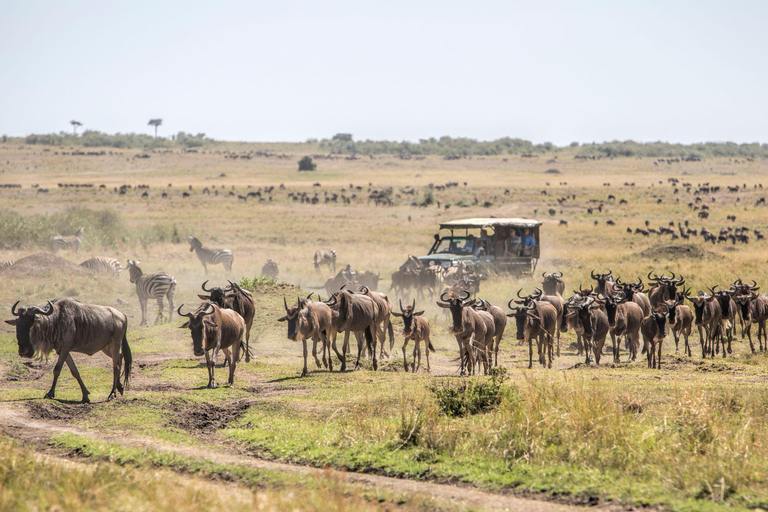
[690, 436]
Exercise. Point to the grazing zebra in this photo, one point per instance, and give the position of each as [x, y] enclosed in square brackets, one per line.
[103, 265]
[67, 243]
[152, 285]
[212, 256]
[325, 257]
[7, 263]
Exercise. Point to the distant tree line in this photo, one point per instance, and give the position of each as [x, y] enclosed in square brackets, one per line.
[93, 138]
[343, 143]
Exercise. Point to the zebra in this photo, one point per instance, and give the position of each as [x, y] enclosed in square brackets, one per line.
[103, 265]
[7, 263]
[212, 256]
[152, 285]
[67, 243]
[325, 257]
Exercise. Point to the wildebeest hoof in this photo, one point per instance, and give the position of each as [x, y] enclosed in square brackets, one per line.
[304, 373]
[213, 386]
[50, 395]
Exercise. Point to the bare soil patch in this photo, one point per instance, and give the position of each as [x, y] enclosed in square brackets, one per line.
[204, 417]
[671, 252]
[56, 411]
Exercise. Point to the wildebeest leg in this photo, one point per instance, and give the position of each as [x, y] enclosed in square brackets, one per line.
[676, 335]
[233, 358]
[550, 349]
[315, 340]
[658, 359]
[56, 371]
[558, 339]
[495, 351]
[372, 332]
[615, 348]
[471, 354]
[360, 348]
[342, 358]
[417, 350]
[427, 343]
[687, 345]
[209, 362]
[73, 370]
[304, 344]
[747, 329]
[530, 352]
[405, 355]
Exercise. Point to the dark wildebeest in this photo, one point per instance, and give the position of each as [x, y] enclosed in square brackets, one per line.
[728, 311]
[624, 318]
[416, 328]
[602, 282]
[753, 309]
[591, 322]
[310, 320]
[345, 277]
[557, 301]
[467, 326]
[634, 292]
[356, 313]
[67, 326]
[553, 283]
[383, 319]
[368, 279]
[241, 301]
[707, 315]
[325, 257]
[213, 329]
[270, 269]
[500, 323]
[664, 288]
[654, 329]
[680, 321]
[537, 320]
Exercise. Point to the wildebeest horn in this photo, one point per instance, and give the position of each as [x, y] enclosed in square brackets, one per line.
[188, 315]
[510, 306]
[712, 290]
[673, 276]
[592, 274]
[518, 294]
[37, 311]
[401, 305]
[285, 303]
[738, 281]
[363, 287]
[332, 300]
[561, 274]
[610, 272]
[754, 285]
[413, 307]
[442, 297]
[464, 297]
[204, 288]
[543, 274]
[13, 309]
[343, 286]
[310, 295]
[205, 311]
[654, 278]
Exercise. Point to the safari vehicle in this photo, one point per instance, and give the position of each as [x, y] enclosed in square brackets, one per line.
[496, 245]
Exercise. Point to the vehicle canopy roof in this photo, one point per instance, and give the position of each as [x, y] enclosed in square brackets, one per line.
[480, 222]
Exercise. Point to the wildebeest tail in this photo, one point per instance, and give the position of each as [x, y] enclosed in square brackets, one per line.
[127, 359]
[391, 335]
[431, 348]
[369, 339]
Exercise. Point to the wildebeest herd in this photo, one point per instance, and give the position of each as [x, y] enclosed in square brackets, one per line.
[627, 311]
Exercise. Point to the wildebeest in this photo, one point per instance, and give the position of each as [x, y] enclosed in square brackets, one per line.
[383, 319]
[664, 288]
[707, 315]
[213, 329]
[356, 313]
[553, 283]
[416, 328]
[537, 319]
[310, 320]
[368, 279]
[68, 243]
[325, 257]
[680, 320]
[67, 326]
[467, 326]
[270, 269]
[654, 330]
[634, 292]
[235, 298]
[345, 277]
[556, 300]
[602, 282]
[211, 256]
[624, 318]
[500, 323]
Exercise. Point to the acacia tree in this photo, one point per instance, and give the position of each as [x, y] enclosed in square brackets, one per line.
[75, 124]
[155, 123]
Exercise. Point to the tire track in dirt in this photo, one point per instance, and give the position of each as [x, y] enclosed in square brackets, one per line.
[16, 422]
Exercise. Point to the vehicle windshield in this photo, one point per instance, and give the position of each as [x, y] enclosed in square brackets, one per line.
[456, 245]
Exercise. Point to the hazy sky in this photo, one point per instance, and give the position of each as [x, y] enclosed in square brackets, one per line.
[559, 71]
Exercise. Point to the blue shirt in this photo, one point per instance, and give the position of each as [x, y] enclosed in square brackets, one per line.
[529, 241]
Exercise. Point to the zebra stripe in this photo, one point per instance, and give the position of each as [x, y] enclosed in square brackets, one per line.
[154, 285]
[7, 263]
[211, 256]
[67, 243]
[103, 265]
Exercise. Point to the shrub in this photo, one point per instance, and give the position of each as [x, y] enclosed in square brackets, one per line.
[472, 396]
[306, 164]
